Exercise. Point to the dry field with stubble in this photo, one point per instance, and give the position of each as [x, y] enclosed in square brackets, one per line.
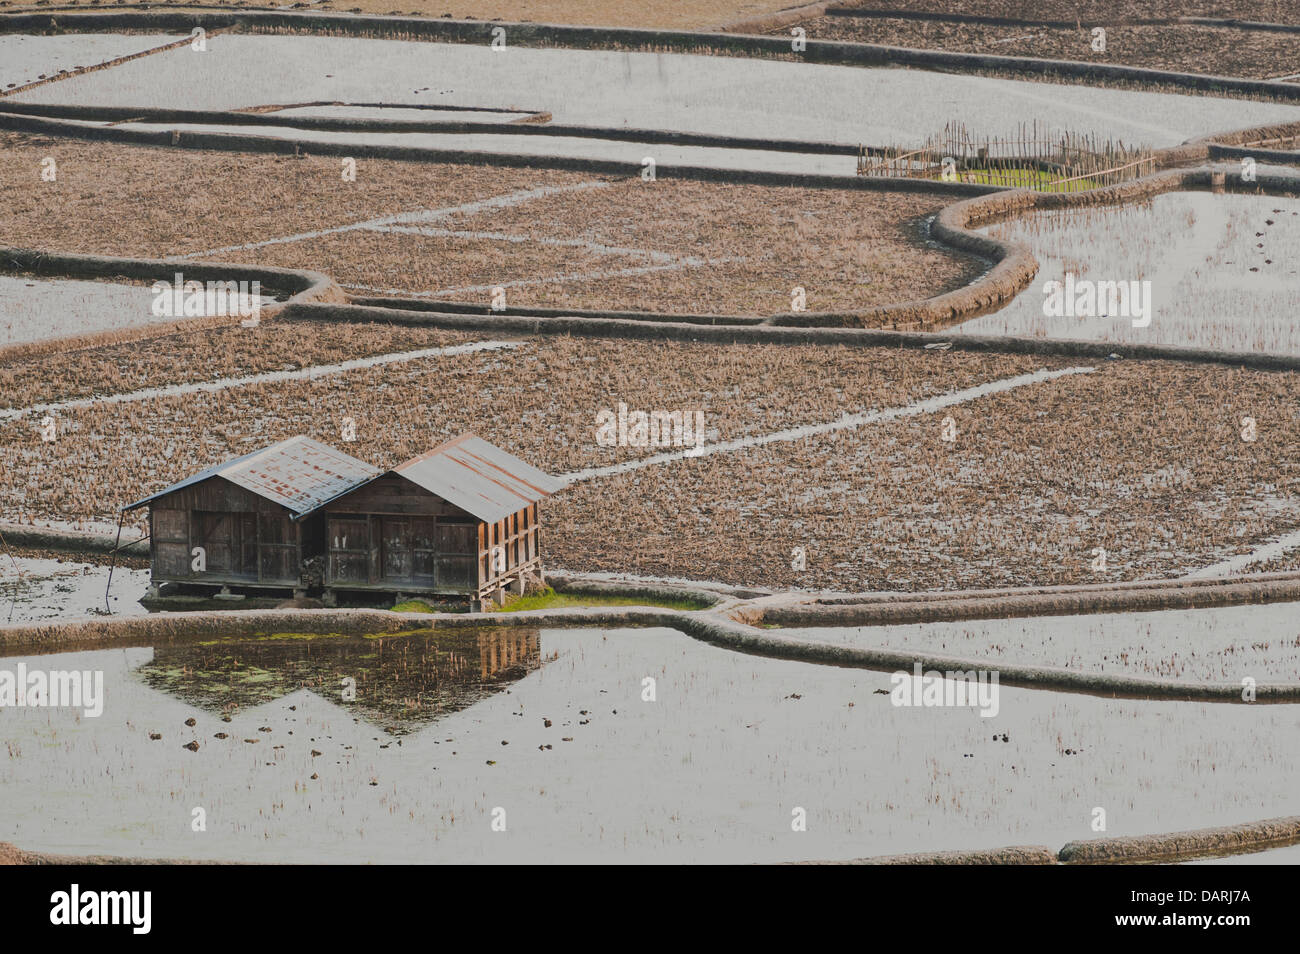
[188, 357]
[540, 398]
[552, 239]
[708, 15]
[697, 15]
[1143, 460]
[1181, 48]
[1140, 458]
[1268, 11]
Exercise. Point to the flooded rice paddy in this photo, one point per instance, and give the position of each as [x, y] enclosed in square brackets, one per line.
[632, 153]
[38, 309]
[1290, 855]
[399, 684]
[412, 114]
[1204, 645]
[34, 589]
[30, 59]
[558, 741]
[645, 745]
[1223, 271]
[710, 94]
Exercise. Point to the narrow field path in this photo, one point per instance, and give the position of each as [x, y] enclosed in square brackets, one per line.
[847, 422]
[224, 384]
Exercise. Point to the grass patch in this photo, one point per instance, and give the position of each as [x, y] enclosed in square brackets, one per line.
[1027, 179]
[270, 636]
[424, 606]
[414, 606]
[549, 599]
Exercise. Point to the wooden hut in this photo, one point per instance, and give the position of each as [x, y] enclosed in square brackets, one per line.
[461, 520]
[252, 521]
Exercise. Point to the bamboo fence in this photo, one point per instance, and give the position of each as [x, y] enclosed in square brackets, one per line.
[1033, 158]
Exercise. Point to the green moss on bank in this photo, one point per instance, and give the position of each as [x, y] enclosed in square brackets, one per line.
[549, 599]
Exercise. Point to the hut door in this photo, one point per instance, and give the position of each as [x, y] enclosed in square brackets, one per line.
[396, 549]
[424, 550]
[229, 541]
[277, 544]
[349, 550]
[246, 545]
[213, 534]
[457, 555]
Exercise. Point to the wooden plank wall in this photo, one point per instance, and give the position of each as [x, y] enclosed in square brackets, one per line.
[394, 495]
[518, 536]
[173, 532]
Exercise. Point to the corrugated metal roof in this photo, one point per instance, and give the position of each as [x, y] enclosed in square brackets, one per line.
[300, 474]
[479, 478]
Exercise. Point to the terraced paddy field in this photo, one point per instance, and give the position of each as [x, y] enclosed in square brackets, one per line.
[1143, 459]
[37, 310]
[668, 91]
[709, 14]
[693, 16]
[584, 770]
[1221, 271]
[1180, 48]
[891, 420]
[453, 233]
[1270, 11]
[36, 588]
[1212, 645]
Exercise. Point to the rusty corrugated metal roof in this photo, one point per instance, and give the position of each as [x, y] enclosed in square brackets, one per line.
[479, 478]
[300, 474]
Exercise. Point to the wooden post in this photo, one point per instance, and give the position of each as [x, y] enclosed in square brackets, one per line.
[121, 516]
